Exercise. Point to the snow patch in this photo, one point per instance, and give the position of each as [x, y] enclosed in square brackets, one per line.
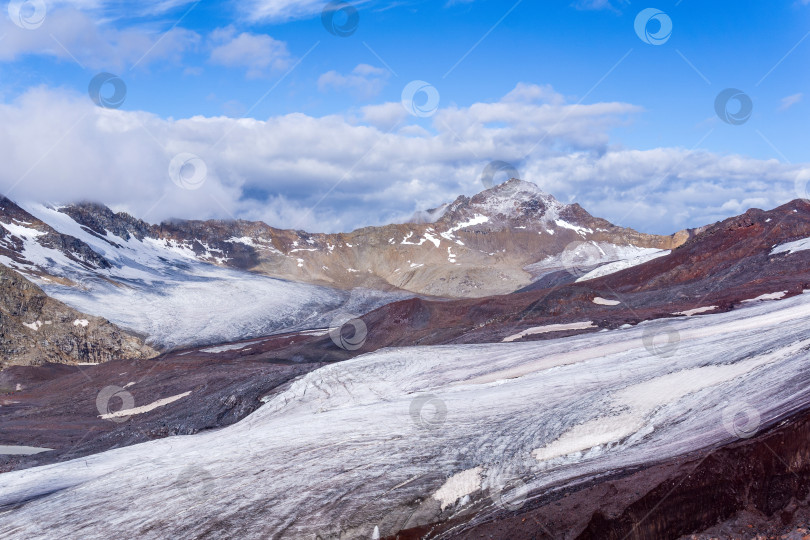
[792, 247]
[696, 311]
[458, 486]
[576, 228]
[144, 408]
[550, 328]
[435, 241]
[601, 253]
[604, 302]
[225, 348]
[477, 219]
[25, 233]
[618, 266]
[771, 296]
[589, 435]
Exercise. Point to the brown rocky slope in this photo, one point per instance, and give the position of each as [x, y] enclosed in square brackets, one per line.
[35, 329]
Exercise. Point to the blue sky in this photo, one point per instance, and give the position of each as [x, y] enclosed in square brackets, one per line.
[565, 90]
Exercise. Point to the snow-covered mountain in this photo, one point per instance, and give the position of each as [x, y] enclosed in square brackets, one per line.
[493, 243]
[160, 288]
[194, 282]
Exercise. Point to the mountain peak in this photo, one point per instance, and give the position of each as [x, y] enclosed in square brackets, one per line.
[516, 185]
[517, 190]
[512, 201]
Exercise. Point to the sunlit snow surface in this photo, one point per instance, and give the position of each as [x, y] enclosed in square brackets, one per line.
[388, 439]
[161, 290]
[591, 260]
[792, 247]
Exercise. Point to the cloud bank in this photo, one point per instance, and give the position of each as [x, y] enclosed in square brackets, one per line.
[371, 165]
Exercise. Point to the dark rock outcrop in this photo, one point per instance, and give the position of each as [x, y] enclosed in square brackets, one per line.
[35, 329]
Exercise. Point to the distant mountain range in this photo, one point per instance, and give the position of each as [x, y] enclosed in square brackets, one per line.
[185, 283]
[492, 243]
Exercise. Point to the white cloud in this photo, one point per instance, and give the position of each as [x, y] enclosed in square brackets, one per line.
[790, 101]
[364, 81]
[259, 53]
[59, 147]
[74, 35]
[385, 116]
[144, 7]
[163, 6]
[533, 93]
[285, 10]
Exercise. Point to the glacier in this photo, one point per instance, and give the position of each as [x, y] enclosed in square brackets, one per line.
[408, 436]
[162, 291]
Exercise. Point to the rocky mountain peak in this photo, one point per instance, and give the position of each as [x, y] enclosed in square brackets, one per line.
[515, 202]
[99, 219]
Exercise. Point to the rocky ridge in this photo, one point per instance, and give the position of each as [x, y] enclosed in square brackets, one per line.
[36, 329]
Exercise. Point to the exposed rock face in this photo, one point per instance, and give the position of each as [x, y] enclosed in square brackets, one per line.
[35, 329]
[476, 246]
[99, 219]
